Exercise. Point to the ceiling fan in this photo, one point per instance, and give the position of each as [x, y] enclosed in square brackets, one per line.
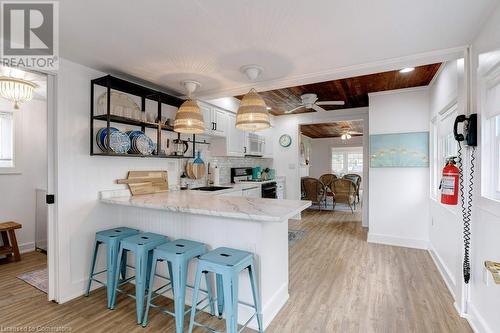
[310, 101]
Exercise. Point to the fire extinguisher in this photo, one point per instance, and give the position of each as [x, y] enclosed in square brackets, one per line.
[449, 183]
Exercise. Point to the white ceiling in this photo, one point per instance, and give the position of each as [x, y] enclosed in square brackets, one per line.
[165, 42]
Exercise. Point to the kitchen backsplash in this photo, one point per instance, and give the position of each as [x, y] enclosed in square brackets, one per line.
[226, 163]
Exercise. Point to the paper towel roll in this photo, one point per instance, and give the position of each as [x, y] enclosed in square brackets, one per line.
[216, 176]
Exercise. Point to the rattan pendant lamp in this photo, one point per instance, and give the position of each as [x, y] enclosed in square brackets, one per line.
[189, 118]
[252, 114]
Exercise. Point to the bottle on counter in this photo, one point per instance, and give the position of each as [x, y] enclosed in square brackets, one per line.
[183, 181]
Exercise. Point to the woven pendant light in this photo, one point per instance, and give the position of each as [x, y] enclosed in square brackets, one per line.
[252, 114]
[189, 118]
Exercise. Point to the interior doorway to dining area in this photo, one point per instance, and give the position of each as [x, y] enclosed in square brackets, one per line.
[331, 170]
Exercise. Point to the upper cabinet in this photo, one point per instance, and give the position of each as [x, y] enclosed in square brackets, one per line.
[269, 142]
[215, 119]
[235, 138]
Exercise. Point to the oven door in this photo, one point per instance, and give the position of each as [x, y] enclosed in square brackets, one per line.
[269, 190]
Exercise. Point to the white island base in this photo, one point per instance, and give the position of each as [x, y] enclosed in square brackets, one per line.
[263, 232]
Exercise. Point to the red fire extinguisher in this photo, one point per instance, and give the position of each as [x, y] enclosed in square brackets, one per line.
[449, 183]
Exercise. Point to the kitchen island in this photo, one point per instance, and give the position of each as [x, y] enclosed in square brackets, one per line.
[256, 225]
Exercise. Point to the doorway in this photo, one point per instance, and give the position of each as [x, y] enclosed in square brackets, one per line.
[332, 172]
[26, 175]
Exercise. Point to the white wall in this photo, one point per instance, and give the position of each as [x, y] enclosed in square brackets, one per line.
[445, 229]
[399, 207]
[485, 300]
[81, 176]
[321, 153]
[286, 160]
[17, 197]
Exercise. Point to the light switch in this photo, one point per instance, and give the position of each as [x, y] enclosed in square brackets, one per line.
[291, 166]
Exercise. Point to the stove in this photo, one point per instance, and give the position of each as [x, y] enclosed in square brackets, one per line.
[244, 175]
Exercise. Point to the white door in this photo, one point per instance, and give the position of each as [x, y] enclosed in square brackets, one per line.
[207, 117]
[220, 120]
[254, 192]
[235, 138]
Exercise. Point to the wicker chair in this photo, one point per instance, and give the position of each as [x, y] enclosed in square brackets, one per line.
[327, 180]
[356, 179]
[345, 192]
[313, 190]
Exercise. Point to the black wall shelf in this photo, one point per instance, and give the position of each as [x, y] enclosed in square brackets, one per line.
[112, 83]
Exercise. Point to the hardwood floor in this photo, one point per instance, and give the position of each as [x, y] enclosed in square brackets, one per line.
[338, 283]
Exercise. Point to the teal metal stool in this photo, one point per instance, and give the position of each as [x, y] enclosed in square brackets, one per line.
[227, 264]
[111, 238]
[177, 254]
[141, 246]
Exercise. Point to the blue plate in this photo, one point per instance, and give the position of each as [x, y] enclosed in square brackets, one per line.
[101, 137]
[119, 142]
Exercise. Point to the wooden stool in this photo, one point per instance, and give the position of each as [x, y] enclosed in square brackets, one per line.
[9, 247]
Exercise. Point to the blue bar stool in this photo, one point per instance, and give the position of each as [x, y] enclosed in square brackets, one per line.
[177, 254]
[141, 246]
[227, 264]
[111, 238]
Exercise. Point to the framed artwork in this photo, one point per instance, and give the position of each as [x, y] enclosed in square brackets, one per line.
[399, 150]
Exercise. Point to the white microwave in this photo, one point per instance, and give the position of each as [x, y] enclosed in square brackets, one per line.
[254, 145]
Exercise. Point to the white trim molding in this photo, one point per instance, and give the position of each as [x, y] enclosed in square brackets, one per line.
[398, 241]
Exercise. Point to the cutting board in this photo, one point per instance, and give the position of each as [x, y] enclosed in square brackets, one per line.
[146, 182]
[195, 170]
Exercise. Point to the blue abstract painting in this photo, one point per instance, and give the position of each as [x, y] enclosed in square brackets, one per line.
[399, 150]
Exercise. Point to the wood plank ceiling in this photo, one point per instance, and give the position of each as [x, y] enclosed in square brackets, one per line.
[332, 130]
[353, 91]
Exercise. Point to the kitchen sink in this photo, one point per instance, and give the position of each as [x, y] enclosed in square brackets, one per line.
[210, 188]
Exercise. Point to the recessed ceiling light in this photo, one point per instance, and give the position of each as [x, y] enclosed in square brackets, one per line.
[407, 70]
[268, 108]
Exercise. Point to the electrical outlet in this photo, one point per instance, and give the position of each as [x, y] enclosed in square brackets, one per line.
[291, 166]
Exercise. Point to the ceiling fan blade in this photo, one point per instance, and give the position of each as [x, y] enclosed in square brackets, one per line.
[295, 109]
[330, 103]
[318, 108]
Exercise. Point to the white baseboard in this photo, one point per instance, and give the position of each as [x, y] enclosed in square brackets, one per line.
[27, 247]
[449, 279]
[398, 241]
[476, 321]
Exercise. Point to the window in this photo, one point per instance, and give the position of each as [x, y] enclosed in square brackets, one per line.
[489, 94]
[337, 162]
[347, 160]
[6, 140]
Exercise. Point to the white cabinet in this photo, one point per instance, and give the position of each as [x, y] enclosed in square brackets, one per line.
[253, 192]
[269, 142]
[219, 118]
[215, 119]
[280, 188]
[235, 138]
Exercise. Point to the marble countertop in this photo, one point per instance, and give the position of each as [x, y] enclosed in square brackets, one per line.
[194, 202]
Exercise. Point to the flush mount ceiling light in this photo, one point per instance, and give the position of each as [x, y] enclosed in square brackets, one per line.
[16, 90]
[407, 70]
[189, 119]
[252, 114]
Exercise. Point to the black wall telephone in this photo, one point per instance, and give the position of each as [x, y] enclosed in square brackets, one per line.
[470, 129]
[470, 138]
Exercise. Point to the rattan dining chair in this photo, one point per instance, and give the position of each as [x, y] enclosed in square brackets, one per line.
[345, 192]
[357, 181]
[313, 190]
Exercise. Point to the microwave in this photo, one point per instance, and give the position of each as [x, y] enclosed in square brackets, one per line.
[254, 145]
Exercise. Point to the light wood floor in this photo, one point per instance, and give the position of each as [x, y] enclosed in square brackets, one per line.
[338, 283]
